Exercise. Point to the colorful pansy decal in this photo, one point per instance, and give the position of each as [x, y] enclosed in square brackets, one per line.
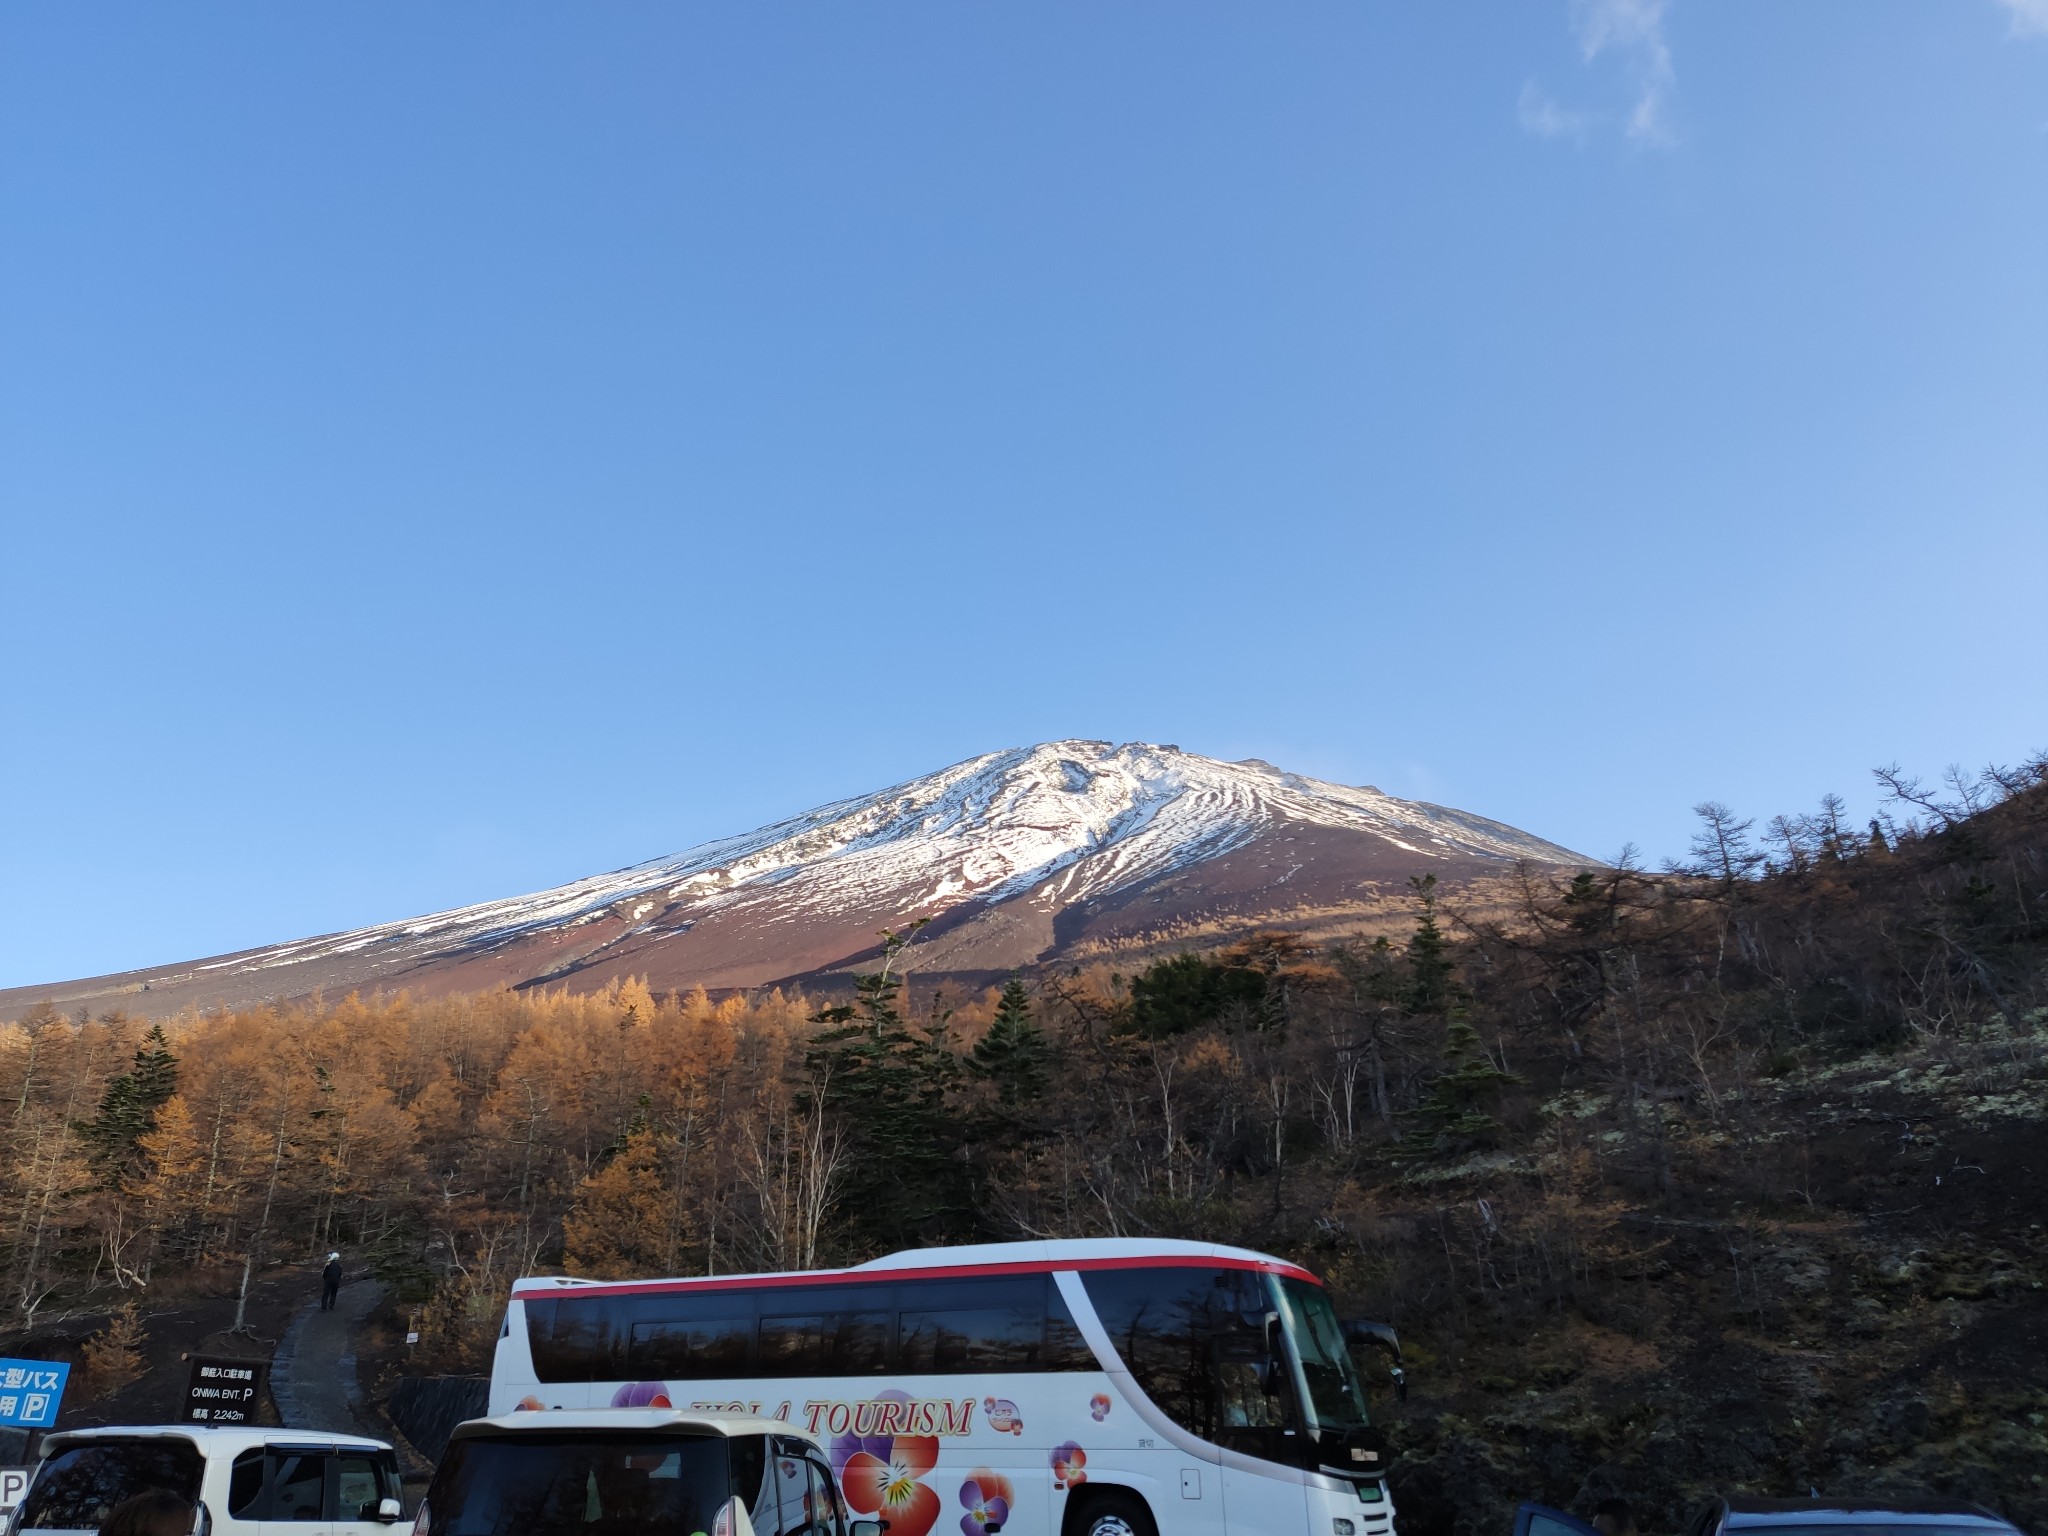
[1098, 1405]
[883, 1476]
[642, 1394]
[986, 1496]
[1067, 1462]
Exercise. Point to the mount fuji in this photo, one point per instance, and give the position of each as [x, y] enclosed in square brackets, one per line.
[1065, 851]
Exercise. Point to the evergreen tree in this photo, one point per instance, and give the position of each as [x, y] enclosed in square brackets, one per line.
[887, 1085]
[1431, 987]
[128, 1107]
[1014, 1055]
[1459, 1103]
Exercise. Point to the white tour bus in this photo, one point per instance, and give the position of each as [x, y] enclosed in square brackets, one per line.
[1107, 1387]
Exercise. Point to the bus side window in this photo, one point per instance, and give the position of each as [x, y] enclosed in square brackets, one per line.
[1065, 1349]
[982, 1339]
[579, 1338]
[967, 1326]
[692, 1348]
[826, 1330]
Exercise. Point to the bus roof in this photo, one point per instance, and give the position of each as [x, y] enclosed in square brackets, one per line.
[967, 1261]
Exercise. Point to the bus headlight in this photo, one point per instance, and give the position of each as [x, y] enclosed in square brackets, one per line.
[1342, 1527]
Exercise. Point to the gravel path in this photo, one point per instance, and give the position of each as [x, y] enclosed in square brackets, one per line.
[313, 1374]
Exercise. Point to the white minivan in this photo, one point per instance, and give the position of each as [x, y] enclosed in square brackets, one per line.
[245, 1481]
[630, 1471]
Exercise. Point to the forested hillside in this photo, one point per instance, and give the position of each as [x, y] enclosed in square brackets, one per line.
[1727, 1176]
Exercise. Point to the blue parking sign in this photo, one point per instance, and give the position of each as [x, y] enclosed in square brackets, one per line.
[30, 1391]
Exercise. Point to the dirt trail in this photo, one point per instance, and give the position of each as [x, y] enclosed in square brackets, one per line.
[313, 1375]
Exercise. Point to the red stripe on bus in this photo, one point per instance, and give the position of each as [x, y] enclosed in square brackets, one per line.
[875, 1276]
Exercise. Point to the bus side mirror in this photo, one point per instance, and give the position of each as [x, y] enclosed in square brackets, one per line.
[1363, 1336]
[390, 1511]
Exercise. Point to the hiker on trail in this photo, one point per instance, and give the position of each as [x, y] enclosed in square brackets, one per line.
[330, 1282]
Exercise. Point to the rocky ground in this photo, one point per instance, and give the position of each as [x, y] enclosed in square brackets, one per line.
[1876, 1324]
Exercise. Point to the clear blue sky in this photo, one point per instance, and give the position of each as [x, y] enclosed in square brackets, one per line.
[446, 450]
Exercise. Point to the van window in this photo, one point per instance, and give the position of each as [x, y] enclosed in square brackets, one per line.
[298, 1488]
[245, 1485]
[753, 1479]
[570, 1484]
[78, 1488]
[358, 1490]
[793, 1495]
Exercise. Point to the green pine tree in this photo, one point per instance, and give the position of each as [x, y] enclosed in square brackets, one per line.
[128, 1106]
[1014, 1055]
[887, 1084]
[1459, 1104]
[1432, 981]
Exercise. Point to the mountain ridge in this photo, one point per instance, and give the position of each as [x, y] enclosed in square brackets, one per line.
[1016, 855]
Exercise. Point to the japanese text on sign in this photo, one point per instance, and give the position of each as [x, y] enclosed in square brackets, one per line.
[30, 1391]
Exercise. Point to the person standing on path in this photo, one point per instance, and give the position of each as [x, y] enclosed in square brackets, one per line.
[330, 1282]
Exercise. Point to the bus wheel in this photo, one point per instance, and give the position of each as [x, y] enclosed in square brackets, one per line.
[1113, 1512]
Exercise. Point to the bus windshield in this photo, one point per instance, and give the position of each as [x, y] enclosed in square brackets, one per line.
[1336, 1396]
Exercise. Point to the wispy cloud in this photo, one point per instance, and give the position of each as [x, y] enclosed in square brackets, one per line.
[1631, 33]
[2029, 17]
[1543, 117]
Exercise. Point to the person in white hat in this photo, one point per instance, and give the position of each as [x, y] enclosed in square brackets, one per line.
[330, 1282]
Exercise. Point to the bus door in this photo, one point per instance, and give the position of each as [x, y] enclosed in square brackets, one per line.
[1154, 1430]
[1256, 1416]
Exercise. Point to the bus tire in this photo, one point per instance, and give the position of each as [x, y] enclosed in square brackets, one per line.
[1110, 1512]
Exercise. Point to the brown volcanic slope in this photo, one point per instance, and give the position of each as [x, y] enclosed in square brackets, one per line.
[1059, 851]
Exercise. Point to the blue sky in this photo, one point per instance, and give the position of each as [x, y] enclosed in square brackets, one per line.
[447, 450]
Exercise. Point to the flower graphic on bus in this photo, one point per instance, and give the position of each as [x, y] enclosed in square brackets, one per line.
[1067, 1463]
[1003, 1416]
[1098, 1406]
[642, 1394]
[986, 1496]
[883, 1476]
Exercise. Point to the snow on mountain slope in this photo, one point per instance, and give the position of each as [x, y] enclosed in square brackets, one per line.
[1069, 820]
[1068, 847]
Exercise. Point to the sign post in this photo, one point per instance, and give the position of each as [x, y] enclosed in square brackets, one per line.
[30, 1391]
[224, 1391]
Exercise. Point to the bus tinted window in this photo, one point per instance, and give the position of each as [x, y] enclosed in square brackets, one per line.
[1016, 1323]
[971, 1325]
[1065, 1349]
[825, 1330]
[968, 1340]
[1203, 1345]
[578, 1339]
[700, 1338]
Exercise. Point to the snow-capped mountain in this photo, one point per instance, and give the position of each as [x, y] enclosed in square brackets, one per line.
[1014, 855]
